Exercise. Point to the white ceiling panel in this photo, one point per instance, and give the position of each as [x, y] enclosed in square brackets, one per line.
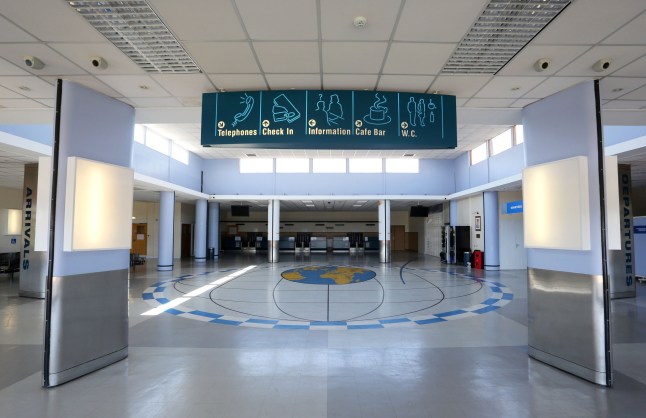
[156, 102]
[7, 68]
[631, 34]
[459, 85]
[417, 58]
[353, 57]
[625, 104]
[55, 64]
[288, 57]
[588, 22]
[216, 20]
[277, 20]
[438, 20]
[509, 87]
[185, 84]
[634, 69]
[31, 87]
[192, 101]
[477, 102]
[134, 85]
[87, 81]
[639, 94]
[12, 33]
[50, 21]
[238, 82]
[47, 102]
[295, 81]
[553, 85]
[21, 103]
[82, 53]
[559, 56]
[620, 56]
[523, 102]
[614, 87]
[337, 18]
[416, 84]
[223, 57]
[9, 94]
[349, 81]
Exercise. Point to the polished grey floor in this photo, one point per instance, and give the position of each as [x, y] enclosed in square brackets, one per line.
[474, 366]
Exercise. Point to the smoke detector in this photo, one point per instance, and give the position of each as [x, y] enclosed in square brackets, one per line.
[359, 22]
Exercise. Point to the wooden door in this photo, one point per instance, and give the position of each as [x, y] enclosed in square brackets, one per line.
[139, 239]
[397, 238]
[186, 241]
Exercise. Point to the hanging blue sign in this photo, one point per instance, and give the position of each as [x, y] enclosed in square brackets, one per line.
[640, 229]
[514, 207]
[329, 119]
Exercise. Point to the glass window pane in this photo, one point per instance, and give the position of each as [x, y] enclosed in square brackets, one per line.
[178, 153]
[256, 165]
[520, 138]
[479, 154]
[157, 142]
[402, 165]
[501, 142]
[366, 165]
[328, 165]
[292, 165]
[140, 134]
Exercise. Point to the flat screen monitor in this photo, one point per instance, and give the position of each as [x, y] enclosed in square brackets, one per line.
[239, 210]
[419, 211]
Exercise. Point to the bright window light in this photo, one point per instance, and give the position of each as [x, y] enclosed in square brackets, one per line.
[256, 165]
[479, 154]
[328, 165]
[178, 153]
[292, 165]
[366, 165]
[402, 165]
[501, 142]
[140, 134]
[157, 142]
[519, 137]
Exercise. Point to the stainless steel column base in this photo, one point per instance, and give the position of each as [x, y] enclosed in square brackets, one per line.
[384, 251]
[565, 365]
[273, 251]
[29, 294]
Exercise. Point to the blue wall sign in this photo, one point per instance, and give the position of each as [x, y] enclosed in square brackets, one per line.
[514, 207]
[329, 119]
[14, 240]
[640, 229]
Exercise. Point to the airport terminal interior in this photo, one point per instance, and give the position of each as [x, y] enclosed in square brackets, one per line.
[332, 208]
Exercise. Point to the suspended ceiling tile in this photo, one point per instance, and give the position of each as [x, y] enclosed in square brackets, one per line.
[5, 93]
[459, 85]
[411, 83]
[185, 84]
[156, 102]
[523, 102]
[238, 82]
[337, 18]
[620, 56]
[639, 94]
[192, 101]
[277, 20]
[12, 33]
[20, 103]
[294, 81]
[438, 20]
[588, 22]
[614, 87]
[353, 57]
[28, 86]
[134, 85]
[349, 81]
[559, 56]
[82, 53]
[634, 69]
[87, 81]
[55, 64]
[417, 58]
[459, 102]
[7, 68]
[223, 57]
[632, 33]
[509, 87]
[625, 104]
[288, 57]
[553, 85]
[47, 102]
[200, 20]
[50, 21]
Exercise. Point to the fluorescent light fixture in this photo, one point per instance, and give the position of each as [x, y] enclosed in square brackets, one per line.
[12, 222]
[43, 203]
[98, 206]
[188, 296]
[500, 32]
[135, 28]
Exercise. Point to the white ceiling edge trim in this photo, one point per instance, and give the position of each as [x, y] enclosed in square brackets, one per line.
[27, 116]
[486, 187]
[489, 116]
[160, 185]
[626, 146]
[24, 144]
[168, 115]
[421, 198]
[623, 117]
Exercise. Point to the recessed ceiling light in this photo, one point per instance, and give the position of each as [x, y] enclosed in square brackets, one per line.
[144, 87]
[24, 88]
[515, 88]
[359, 22]
[617, 90]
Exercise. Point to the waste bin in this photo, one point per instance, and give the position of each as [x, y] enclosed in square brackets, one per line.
[478, 257]
[211, 253]
[467, 258]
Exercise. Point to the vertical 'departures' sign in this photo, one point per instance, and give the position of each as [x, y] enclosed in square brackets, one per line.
[621, 262]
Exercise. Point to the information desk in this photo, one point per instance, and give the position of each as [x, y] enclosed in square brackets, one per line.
[287, 244]
[318, 244]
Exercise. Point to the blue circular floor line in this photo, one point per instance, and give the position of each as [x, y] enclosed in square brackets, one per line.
[154, 295]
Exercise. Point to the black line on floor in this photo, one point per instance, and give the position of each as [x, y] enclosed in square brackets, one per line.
[328, 303]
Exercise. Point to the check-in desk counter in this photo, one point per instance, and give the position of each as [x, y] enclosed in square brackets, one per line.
[232, 243]
[371, 244]
[261, 244]
[341, 244]
[287, 244]
[318, 244]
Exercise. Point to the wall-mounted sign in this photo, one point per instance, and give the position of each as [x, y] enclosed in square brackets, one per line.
[334, 119]
[514, 207]
[640, 229]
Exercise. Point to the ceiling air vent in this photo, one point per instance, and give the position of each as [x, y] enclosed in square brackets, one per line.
[499, 33]
[135, 28]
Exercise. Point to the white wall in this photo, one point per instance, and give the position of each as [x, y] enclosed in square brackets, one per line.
[468, 208]
[148, 213]
[512, 249]
[11, 199]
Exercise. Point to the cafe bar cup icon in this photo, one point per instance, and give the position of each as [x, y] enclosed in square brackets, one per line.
[284, 110]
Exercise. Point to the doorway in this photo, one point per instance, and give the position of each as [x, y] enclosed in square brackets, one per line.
[187, 232]
[139, 239]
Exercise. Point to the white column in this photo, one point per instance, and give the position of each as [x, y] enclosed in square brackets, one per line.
[199, 247]
[213, 235]
[273, 230]
[491, 231]
[384, 231]
[166, 219]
